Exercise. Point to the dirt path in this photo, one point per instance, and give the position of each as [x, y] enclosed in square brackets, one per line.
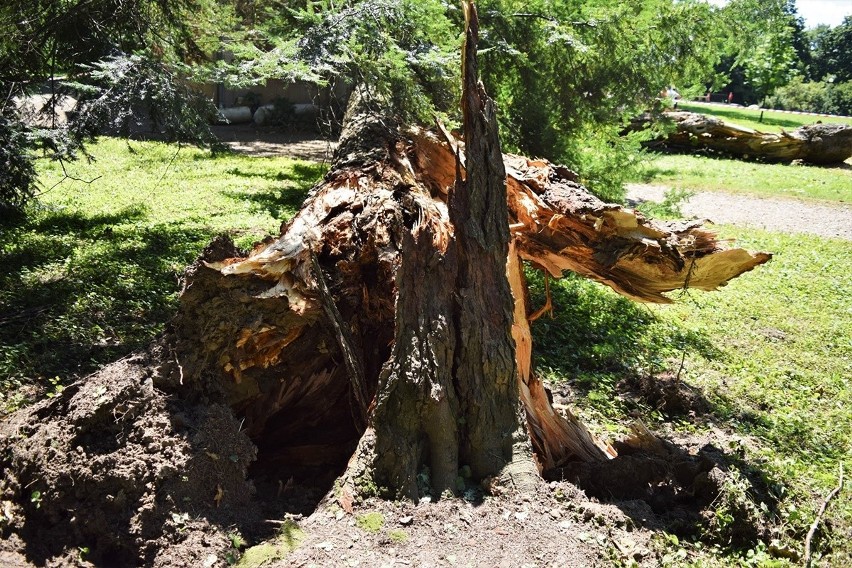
[271, 141]
[769, 213]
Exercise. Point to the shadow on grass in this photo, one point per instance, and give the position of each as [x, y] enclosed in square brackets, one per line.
[57, 222]
[284, 201]
[79, 292]
[650, 174]
[614, 356]
[694, 488]
[299, 173]
[596, 333]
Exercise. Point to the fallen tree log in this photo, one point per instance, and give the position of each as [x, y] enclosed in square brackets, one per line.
[815, 144]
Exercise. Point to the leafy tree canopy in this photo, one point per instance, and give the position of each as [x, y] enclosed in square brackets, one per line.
[762, 45]
[565, 73]
[832, 52]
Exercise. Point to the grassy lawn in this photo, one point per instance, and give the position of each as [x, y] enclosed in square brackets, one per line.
[93, 272]
[704, 173]
[773, 121]
[771, 353]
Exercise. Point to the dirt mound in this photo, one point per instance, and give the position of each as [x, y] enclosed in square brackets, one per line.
[114, 471]
[665, 392]
[689, 489]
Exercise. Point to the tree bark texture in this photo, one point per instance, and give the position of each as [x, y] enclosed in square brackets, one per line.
[816, 143]
[451, 379]
[393, 307]
[378, 232]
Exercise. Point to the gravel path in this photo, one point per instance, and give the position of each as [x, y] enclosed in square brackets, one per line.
[770, 213]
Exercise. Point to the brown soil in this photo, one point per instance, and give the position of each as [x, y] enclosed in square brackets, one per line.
[557, 525]
[115, 471]
[548, 528]
[667, 393]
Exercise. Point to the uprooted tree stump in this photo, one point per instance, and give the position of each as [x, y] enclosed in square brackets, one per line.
[387, 328]
[815, 143]
[393, 308]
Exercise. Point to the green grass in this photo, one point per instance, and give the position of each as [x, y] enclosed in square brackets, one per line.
[93, 271]
[370, 522]
[267, 553]
[704, 173]
[773, 121]
[771, 352]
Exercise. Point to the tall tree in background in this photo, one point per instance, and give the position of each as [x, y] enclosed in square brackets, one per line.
[832, 52]
[762, 46]
[770, 65]
[565, 73]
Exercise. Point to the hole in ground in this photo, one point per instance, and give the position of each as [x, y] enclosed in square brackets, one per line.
[301, 451]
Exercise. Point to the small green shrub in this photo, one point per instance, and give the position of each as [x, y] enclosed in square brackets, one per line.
[807, 96]
[800, 95]
[838, 99]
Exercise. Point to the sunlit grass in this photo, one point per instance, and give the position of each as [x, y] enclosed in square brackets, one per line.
[93, 271]
[784, 374]
[771, 352]
[704, 173]
[773, 121]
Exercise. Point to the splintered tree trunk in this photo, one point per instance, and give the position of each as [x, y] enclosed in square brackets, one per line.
[390, 321]
[448, 397]
[816, 143]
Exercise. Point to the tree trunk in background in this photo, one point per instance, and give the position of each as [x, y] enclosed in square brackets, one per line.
[389, 322]
[816, 143]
